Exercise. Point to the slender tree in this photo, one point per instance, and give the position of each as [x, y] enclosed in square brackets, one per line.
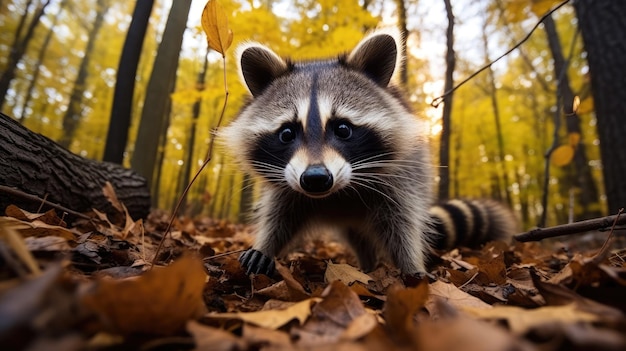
[72, 116]
[40, 58]
[602, 22]
[404, 31]
[444, 147]
[492, 90]
[117, 135]
[155, 114]
[583, 178]
[186, 176]
[19, 48]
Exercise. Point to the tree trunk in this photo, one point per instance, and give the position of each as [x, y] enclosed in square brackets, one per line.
[155, 116]
[444, 147]
[602, 23]
[117, 135]
[501, 163]
[72, 116]
[583, 178]
[191, 141]
[40, 58]
[38, 166]
[404, 31]
[18, 50]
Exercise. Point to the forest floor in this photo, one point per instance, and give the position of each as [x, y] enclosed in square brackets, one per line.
[91, 286]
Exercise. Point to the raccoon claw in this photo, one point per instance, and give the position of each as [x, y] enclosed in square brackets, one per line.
[254, 261]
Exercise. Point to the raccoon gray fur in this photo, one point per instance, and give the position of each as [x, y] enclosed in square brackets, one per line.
[335, 144]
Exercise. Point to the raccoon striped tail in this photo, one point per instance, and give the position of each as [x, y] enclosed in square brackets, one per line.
[471, 223]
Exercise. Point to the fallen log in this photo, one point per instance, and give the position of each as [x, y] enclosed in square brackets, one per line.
[36, 165]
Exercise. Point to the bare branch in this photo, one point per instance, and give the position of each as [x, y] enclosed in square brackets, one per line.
[437, 101]
[572, 228]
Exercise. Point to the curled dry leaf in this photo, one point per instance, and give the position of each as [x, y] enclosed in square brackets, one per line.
[215, 25]
[521, 320]
[271, 319]
[345, 273]
[401, 307]
[159, 302]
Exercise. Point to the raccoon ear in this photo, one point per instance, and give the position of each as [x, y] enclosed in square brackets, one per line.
[259, 66]
[376, 56]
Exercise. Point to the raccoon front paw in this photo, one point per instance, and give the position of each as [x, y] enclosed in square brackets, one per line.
[254, 261]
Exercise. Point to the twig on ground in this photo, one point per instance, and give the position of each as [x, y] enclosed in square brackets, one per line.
[572, 228]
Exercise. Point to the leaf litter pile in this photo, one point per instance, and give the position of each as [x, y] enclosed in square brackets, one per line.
[91, 285]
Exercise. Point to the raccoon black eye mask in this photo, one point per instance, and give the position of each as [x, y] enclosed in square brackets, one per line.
[336, 146]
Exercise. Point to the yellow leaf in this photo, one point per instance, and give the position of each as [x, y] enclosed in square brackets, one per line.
[576, 103]
[585, 106]
[215, 25]
[345, 273]
[574, 138]
[271, 319]
[562, 155]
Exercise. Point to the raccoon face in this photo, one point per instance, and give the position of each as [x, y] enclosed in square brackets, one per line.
[318, 127]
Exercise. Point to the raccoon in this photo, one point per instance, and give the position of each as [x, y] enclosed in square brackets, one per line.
[336, 145]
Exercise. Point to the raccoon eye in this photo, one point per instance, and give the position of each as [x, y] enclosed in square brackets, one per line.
[286, 135]
[343, 130]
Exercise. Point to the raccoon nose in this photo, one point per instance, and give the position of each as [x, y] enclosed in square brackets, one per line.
[316, 179]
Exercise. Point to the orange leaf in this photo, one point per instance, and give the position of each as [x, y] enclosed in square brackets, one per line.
[215, 25]
[562, 155]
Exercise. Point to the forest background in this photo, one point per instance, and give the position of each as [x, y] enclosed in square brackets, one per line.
[66, 55]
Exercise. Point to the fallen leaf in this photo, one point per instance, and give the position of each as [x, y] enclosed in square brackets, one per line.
[109, 193]
[454, 296]
[331, 316]
[209, 338]
[400, 308]
[272, 319]
[48, 217]
[521, 320]
[345, 273]
[159, 302]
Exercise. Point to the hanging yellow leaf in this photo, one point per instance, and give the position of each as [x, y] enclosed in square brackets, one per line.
[585, 106]
[215, 25]
[576, 103]
[562, 155]
[574, 138]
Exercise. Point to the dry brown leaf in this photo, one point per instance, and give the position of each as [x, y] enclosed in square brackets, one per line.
[521, 320]
[109, 193]
[271, 319]
[464, 334]
[47, 243]
[401, 307]
[329, 318]
[359, 327]
[48, 217]
[159, 302]
[454, 296]
[215, 24]
[345, 273]
[37, 228]
[213, 339]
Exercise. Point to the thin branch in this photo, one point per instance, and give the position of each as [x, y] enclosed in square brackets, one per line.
[437, 101]
[17, 193]
[209, 156]
[571, 228]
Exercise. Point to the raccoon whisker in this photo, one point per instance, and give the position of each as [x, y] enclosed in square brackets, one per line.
[363, 183]
[377, 176]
